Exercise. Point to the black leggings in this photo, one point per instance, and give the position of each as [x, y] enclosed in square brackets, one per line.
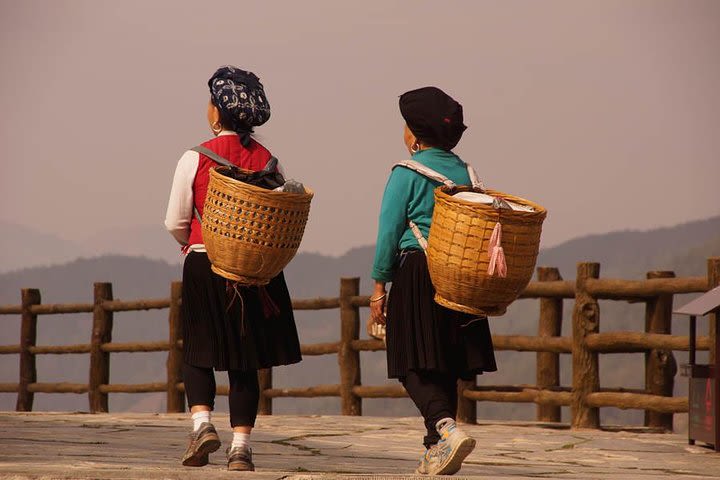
[435, 395]
[244, 392]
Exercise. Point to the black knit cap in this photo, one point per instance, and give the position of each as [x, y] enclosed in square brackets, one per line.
[433, 117]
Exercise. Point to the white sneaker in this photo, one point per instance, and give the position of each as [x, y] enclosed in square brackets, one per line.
[429, 461]
[450, 452]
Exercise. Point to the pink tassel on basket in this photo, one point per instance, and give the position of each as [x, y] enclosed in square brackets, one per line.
[497, 255]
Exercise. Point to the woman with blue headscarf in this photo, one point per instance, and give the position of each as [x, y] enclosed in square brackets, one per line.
[221, 332]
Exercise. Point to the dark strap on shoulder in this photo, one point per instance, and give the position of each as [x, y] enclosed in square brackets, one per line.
[269, 166]
[212, 155]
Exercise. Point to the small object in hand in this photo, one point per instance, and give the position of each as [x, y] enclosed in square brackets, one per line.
[376, 330]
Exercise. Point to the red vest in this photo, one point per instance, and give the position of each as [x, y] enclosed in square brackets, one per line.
[254, 158]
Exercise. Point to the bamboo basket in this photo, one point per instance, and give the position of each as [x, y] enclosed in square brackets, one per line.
[458, 253]
[251, 233]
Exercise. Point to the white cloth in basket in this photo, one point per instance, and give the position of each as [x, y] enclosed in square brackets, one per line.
[482, 198]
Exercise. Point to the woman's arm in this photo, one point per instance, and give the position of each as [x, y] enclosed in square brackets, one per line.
[180, 206]
[391, 226]
[392, 223]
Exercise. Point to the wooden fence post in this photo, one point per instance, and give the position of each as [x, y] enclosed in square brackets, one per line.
[28, 337]
[713, 274]
[660, 365]
[466, 408]
[99, 360]
[548, 363]
[586, 376]
[175, 397]
[348, 358]
[265, 382]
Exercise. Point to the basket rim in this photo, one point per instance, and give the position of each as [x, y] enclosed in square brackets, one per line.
[215, 173]
[443, 192]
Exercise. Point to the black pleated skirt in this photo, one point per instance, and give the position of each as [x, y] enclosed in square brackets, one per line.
[246, 336]
[422, 335]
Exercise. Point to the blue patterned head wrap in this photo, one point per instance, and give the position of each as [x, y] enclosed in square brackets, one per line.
[240, 97]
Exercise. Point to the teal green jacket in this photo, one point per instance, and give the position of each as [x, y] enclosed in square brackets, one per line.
[409, 196]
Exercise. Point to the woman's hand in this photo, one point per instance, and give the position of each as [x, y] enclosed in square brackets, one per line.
[377, 311]
[377, 303]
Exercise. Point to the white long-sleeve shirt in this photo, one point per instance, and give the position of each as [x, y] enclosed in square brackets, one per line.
[180, 206]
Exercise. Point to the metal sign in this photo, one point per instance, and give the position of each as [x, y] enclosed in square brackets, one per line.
[703, 304]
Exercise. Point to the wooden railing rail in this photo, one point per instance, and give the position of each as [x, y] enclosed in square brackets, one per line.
[557, 289]
[316, 304]
[10, 309]
[606, 289]
[50, 309]
[635, 342]
[584, 397]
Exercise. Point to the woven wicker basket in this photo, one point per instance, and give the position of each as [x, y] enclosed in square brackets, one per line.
[458, 255]
[251, 233]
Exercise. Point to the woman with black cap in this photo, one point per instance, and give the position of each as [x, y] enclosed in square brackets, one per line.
[221, 332]
[429, 347]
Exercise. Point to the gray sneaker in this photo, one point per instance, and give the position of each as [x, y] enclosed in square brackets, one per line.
[240, 459]
[203, 442]
[447, 456]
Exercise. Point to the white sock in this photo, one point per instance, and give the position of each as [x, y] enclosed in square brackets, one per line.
[445, 422]
[240, 440]
[199, 418]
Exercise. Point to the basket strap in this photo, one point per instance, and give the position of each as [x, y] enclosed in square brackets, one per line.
[269, 166]
[439, 177]
[425, 171]
[475, 179]
[418, 235]
[213, 156]
[432, 174]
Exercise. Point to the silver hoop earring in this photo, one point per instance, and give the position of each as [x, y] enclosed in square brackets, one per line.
[415, 147]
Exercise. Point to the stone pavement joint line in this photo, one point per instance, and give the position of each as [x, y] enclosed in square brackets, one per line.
[42, 445]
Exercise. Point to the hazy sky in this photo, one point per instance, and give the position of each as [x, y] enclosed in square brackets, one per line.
[605, 112]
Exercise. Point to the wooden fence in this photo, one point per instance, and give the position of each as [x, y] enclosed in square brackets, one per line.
[585, 344]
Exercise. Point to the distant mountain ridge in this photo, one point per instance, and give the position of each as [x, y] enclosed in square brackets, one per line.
[623, 254]
[645, 250]
[24, 247]
[132, 277]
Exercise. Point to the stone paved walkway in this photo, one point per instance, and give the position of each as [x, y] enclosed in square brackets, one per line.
[147, 446]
